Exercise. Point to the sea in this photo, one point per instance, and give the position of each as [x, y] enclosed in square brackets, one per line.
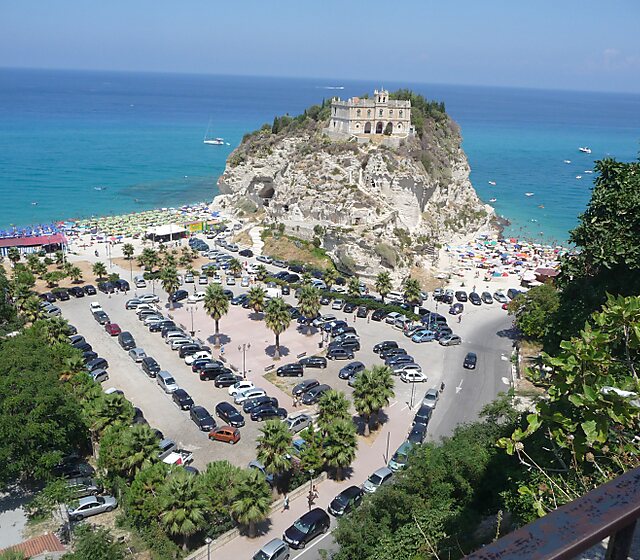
[75, 144]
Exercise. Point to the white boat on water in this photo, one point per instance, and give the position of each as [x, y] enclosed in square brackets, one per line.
[588, 171]
[585, 149]
[492, 183]
[492, 199]
[578, 176]
[212, 141]
[567, 161]
[528, 194]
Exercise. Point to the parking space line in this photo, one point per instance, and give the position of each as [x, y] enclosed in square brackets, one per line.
[314, 544]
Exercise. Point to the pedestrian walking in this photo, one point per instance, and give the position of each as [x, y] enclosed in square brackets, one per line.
[442, 387]
[285, 503]
[295, 402]
[315, 493]
[459, 318]
[310, 499]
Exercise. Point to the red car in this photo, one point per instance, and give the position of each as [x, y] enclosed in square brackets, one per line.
[225, 434]
[113, 329]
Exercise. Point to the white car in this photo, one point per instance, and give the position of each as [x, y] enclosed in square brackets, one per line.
[149, 298]
[337, 304]
[174, 335]
[251, 393]
[151, 319]
[198, 355]
[217, 279]
[144, 307]
[413, 377]
[95, 306]
[195, 298]
[240, 386]
[177, 343]
[245, 282]
[407, 368]
[391, 318]
[431, 398]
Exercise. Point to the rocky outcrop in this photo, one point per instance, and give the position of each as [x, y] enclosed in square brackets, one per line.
[377, 206]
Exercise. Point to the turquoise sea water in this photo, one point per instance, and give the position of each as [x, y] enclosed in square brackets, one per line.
[138, 139]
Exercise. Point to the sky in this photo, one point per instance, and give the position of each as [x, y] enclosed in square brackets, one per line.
[551, 44]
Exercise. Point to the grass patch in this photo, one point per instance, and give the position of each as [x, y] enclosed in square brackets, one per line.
[291, 249]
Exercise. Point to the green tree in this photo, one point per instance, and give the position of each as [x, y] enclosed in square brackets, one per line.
[274, 447]
[278, 319]
[256, 297]
[99, 270]
[330, 276]
[216, 304]
[75, 274]
[311, 456]
[383, 284]
[219, 484]
[252, 501]
[56, 330]
[372, 391]
[13, 255]
[309, 303]
[353, 286]
[33, 263]
[149, 259]
[59, 256]
[125, 451]
[52, 499]
[95, 543]
[53, 278]
[31, 310]
[332, 407]
[235, 268]
[106, 411]
[170, 282]
[20, 293]
[183, 507]
[127, 251]
[533, 309]
[142, 499]
[340, 445]
[411, 288]
[261, 273]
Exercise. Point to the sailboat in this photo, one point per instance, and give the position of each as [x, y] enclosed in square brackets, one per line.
[212, 141]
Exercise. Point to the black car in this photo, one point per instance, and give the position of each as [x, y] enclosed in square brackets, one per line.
[126, 340]
[266, 412]
[349, 307]
[246, 253]
[350, 370]
[122, 285]
[150, 366]
[229, 414]
[417, 434]
[157, 327]
[285, 289]
[332, 326]
[73, 467]
[75, 339]
[304, 386]
[255, 402]
[228, 294]
[351, 344]
[88, 355]
[101, 317]
[362, 311]
[227, 379]
[48, 297]
[470, 361]
[346, 501]
[307, 528]
[486, 297]
[398, 360]
[474, 298]
[290, 370]
[461, 296]
[378, 315]
[292, 278]
[97, 363]
[391, 351]
[83, 346]
[343, 330]
[456, 309]
[61, 294]
[325, 300]
[313, 395]
[213, 371]
[512, 293]
[107, 287]
[423, 415]
[202, 418]
[313, 362]
[90, 290]
[76, 292]
[339, 353]
[182, 399]
[296, 268]
[201, 363]
[179, 295]
[385, 345]
[239, 300]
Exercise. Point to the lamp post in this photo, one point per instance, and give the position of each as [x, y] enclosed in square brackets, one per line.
[413, 391]
[208, 540]
[192, 310]
[243, 348]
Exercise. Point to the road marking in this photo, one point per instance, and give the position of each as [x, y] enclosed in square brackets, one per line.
[506, 380]
[394, 403]
[459, 387]
[314, 544]
[504, 358]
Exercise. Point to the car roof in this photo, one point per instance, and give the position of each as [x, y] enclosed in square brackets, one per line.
[351, 491]
[383, 471]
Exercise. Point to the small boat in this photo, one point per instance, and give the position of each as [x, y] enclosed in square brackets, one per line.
[492, 183]
[212, 141]
[567, 161]
[99, 188]
[540, 205]
[588, 171]
[528, 194]
[578, 176]
[585, 149]
[492, 199]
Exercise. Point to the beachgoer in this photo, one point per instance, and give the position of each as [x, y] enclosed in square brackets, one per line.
[459, 318]
[97, 254]
[442, 387]
[310, 499]
[295, 401]
[315, 492]
[285, 503]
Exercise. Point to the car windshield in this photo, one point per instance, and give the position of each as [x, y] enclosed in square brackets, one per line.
[375, 479]
[301, 526]
[342, 500]
[260, 556]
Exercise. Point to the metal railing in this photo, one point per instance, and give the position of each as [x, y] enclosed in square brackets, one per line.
[611, 510]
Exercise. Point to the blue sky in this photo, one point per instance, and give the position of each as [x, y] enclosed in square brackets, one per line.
[560, 44]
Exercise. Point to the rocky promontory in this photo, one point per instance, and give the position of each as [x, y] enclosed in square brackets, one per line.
[371, 205]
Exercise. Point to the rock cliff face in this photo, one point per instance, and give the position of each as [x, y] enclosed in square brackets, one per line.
[376, 206]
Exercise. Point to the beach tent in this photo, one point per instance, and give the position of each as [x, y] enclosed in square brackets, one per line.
[166, 232]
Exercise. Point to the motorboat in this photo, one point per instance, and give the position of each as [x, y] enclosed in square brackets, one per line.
[492, 183]
[585, 149]
[528, 194]
[214, 141]
[567, 161]
[492, 199]
[578, 176]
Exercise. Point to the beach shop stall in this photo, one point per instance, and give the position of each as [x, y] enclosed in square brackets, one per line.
[168, 232]
[34, 244]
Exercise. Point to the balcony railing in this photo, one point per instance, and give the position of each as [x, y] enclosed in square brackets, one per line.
[611, 510]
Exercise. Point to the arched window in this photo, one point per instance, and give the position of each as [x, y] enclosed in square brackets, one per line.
[358, 112]
[380, 112]
[400, 112]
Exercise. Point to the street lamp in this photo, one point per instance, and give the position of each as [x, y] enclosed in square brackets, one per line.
[243, 348]
[192, 310]
[208, 540]
[413, 391]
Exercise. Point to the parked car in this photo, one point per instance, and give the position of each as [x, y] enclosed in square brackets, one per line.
[240, 386]
[486, 298]
[313, 362]
[456, 309]
[339, 353]
[450, 340]
[350, 370]
[275, 549]
[201, 418]
[290, 370]
[91, 505]
[423, 415]
[307, 528]
[385, 345]
[470, 361]
[97, 363]
[239, 398]
[431, 398]
[378, 315]
[182, 399]
[201, 354]
[377, 479]
[304, 386]
[99, 375]
[229, 414]
[400, 457]
[266, 412]
[391, 351]
[417, 434]
[166, 381]
[101, 317]
[89, 290]
[399, 369]
[461, 296]
[122, 285]
[423, 336]
[137, 354]
[226, 380]
[346, 501]
[250, 404]
[76, 292]
[313, 395]
[126, 340]
[413, 377]
[226, 434]
[107, 287]
[500, 297]
[113, 329]
[298, 422]
[150, 366]
[84, 486]
[179, 295]
[474, 298]
[398, 359]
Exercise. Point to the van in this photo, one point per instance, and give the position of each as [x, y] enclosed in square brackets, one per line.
[166, 382]
[394, 297]
[139, 281]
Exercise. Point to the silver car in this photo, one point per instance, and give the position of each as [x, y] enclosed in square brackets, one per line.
[91, 505]
[431, 398]
[377, 479]
[298, 422]
[137, 354]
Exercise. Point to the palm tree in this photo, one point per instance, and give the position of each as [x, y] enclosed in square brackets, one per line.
[72, 366]
[99, 270]
[235, 267]
[33, 262]
[106, 411]
[330, 276]
[372, 391]
[256, 297]
[274, 447]
[332, 407]
[170, 261]
[216, 304]
[306, 278]
[412, 290]
[13, 255]
[127, 251]
[56, 330]
[31, 310]
[21, 293]
[309, 302]
[383, 284]
[252, 501]
[59, 258]
[278, 318]
[353, 288]
[183, 507]
[170, 282]
[149, 259]
[141, 446]
[340, 446]
[75, 273]
[261, 272]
